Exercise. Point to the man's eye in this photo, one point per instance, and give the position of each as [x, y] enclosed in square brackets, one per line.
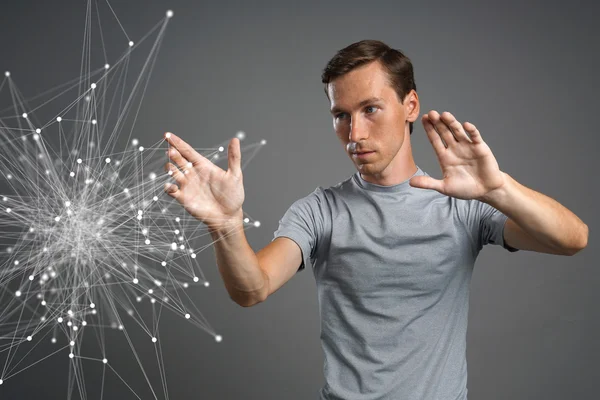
[340, 116]
[373, 108]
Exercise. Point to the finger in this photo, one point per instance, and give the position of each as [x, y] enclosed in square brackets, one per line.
[183, 148]
[454, 126]
[442, 129]
[172, 190]
[426, 182]
[234, 157]
[187, 154]
[473, 132]
[175, 173]
[178, 159]
[432, 135]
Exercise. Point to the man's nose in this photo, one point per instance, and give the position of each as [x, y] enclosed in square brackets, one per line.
[357, 131]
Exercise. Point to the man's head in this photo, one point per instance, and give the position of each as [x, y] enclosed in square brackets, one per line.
[372, 93]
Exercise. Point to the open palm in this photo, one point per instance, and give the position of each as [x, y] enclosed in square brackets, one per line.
[470, 170]
[207, 192]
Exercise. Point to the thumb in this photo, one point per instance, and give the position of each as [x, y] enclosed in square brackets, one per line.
[234, 157]
[426, 182]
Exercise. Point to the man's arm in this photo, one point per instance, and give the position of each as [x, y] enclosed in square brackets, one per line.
[250, 278]
[537, 222]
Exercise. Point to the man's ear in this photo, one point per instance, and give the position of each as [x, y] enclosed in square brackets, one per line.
[412, 106]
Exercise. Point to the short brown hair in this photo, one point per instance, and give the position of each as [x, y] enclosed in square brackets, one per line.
[397, 65]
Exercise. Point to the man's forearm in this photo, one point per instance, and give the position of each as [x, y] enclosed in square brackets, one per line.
[238, 265]
[549, 222]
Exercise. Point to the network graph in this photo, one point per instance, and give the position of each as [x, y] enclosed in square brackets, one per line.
[89, 241]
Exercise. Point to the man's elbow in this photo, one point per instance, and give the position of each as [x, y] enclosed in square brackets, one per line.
[246, 299]
[582, 243]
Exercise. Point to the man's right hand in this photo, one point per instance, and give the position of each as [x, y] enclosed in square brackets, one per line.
[207, 192]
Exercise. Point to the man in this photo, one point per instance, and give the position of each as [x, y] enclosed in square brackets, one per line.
[392, 249]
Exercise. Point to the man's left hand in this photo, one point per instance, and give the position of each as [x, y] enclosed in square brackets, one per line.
[469, 168]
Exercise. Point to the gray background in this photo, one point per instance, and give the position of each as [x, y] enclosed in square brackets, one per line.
[525, 74]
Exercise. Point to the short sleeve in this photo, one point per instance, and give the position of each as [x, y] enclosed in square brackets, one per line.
[304, 223]
[486, 224]
[491, 226]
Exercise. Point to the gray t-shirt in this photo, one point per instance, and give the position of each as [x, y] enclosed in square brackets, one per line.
[392, 266]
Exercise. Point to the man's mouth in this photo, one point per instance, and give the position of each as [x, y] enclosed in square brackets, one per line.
[362, 154]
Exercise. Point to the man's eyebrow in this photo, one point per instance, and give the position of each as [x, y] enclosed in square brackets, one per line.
[363, 103]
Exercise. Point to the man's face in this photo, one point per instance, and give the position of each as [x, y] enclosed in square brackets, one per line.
[368, 117]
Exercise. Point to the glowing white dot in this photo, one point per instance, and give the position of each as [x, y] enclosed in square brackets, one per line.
[206, 284]
[218, 338]
[164, 263]
[7, 74]
[31, 277]
[57, 219]
[125, 190]
[29, 338]
[106, 66]
[69, 323]
[196, 279]
[187, 316]
[72, 174]
[24, 115]
[150, 291]
[241, 135]
[193, 255]
[93, 86]
[43, 319]
[38, 130]
[71, 343]
[152, 176]
[131, 43]
[36, 137]
[53, 340]
[263, 142]
[168, 135]
[170, 173]
[257, 223]
[18, 293]
[79, 161]
[1, 381]
[92, 305]
[43, 302]
[104, 360]
[94, 122]
[84, 323]
[144, 231]
[147, 241]
[136, 281]
[70, 312]
[154, 340]
[185, 285]
[177, 219]
[107, 160]
[221, 149]
[71, 355]
[141, 148]
[173, 246]
[120, 327]
[4, 198]
[60, 320]
[9, 176]
[58, 119]
[169, 13]
[8, 210]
